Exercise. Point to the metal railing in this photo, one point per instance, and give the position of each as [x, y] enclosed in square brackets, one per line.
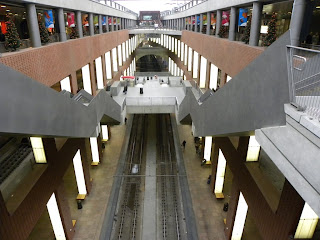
[115, 5]
[182, 8]
[304, 79]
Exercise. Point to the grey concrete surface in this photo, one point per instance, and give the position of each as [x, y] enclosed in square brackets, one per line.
[34, 109]
[84, 6]
[149, 218]
[297, 156]
[253, 99]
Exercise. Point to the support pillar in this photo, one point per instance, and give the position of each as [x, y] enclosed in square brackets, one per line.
[208, 23]
[201, 22]
[104, 73]
[208, 75]
[218, 23]
[64, 211]
[62, 27]
[33, 25]
[100, 24]
[255, 24]
[112, 27]
[79, 23]
[297, 17]
[233, 20]
[91, 25]
[74, 83]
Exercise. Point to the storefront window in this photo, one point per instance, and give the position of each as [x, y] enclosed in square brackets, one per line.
[46, 18]
[282, 11]
[310, 35]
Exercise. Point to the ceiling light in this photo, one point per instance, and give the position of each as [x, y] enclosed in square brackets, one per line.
[3, 6]
[318, 7]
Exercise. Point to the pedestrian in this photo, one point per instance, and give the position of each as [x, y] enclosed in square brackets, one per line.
[125, 121]
[184, 144]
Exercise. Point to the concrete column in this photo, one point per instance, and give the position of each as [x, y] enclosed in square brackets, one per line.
[201, 22]
[112, 28]
[104, 73]
[297, 17]
[208, 23]
[64, 211]
[255, 24]
[100, 24]
[91, 24]
[93, 78]
[79, 23]
[107, 23]
[62, 27]
[218, 23]
[208, 75]
[33, 25]
[233, 20]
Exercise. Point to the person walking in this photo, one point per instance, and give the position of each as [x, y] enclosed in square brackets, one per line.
[184, 144]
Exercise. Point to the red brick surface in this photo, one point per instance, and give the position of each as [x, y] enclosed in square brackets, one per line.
[50, 64]
[230, 56]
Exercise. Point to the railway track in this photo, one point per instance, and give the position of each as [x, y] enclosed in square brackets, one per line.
[170, 223]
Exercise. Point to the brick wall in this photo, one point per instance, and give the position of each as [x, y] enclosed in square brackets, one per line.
[50, 64]
[230, 56]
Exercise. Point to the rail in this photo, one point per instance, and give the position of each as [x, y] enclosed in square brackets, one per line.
[182, 8]
[304, 79]
[115, 5]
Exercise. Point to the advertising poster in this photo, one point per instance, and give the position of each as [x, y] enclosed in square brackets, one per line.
[205, 22]
[70, 19]
[48, 18]
[95, 21]
[198, 19]
[193, 20]
[85, 20]
[104, 21]
[243, 17]
[225, 18]
[114, 21]
[189, 20]
[213, 19]
[109, 20]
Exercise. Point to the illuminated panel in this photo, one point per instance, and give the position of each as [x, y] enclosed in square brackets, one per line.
[78, 170]
[207, 148]
[99, 73]
[307, 224]
[221, 169]
[161, 40]
[124, 52]
[240, 218]
[190, 59]
[169, 43]
[185, 54]
[253, 150]
[213, 77]
[38, 150]
[105, 134]
[228, 78]
[94, 149]
[195, 64]
[86, 78]
[172, 44]
[127, 48]
[203, 72]
[108, 65]
[179, 45]
[182, 51]
[114, 59]
[55, 218]
[175, 46]
[130, 46]
[120, 55]
[65, 84]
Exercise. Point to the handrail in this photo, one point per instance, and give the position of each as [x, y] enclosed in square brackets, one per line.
[304, 79]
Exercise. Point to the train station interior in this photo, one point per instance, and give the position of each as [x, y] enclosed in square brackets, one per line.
[163, 119]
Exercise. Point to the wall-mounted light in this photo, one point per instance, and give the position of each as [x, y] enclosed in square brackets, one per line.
[78, 170]
[38, 150]
[221, 169]
[207, 148]
[55, 218]
[240, 218]
[253, 150]
[307, 224]
[94, 150]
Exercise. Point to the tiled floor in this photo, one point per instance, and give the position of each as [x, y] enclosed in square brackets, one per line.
[208, 211]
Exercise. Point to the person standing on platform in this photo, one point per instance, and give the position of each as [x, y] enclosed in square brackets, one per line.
[184, 144]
